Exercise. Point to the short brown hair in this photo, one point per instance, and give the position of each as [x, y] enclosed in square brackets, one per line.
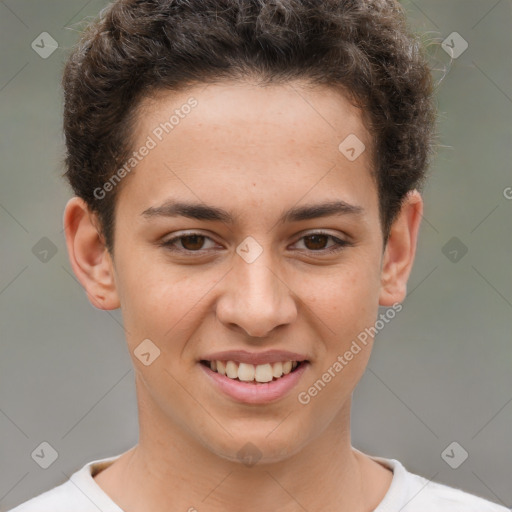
[135, 48]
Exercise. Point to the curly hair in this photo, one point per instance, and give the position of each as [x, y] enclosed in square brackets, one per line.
[136, 48]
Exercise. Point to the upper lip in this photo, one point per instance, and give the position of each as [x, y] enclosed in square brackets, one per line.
[255, 358]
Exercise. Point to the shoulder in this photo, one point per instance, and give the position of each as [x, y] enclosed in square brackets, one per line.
[80, 493]
[436, 496]
[413, 493]
[58, 499]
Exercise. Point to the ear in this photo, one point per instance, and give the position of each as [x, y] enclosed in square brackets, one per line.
[88, 255]
[400, 250]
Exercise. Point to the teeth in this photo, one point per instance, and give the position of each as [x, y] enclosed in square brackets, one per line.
[221, 367]
[248, 372]
[263, 373]
[231, 370]
[277, 370]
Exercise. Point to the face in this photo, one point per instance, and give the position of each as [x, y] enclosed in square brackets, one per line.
[277, 258]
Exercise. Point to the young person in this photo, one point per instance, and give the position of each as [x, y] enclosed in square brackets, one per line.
[246, 180]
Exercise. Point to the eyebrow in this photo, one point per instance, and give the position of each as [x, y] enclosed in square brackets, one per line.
[200, 211]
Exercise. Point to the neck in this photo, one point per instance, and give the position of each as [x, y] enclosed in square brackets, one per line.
[168, 470]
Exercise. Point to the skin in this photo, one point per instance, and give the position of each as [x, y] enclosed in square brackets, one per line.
[254, 151]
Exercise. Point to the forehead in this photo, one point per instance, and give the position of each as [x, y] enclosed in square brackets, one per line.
[298, 108]
[241, 138]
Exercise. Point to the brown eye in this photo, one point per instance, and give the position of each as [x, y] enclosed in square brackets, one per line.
[192, 242]
[318, 242]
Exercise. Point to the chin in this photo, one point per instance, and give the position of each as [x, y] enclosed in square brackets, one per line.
[256, 446]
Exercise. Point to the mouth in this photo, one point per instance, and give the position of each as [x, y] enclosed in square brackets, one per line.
[253, 374]
[254, 384]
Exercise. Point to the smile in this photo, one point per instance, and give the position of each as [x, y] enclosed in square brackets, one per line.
[254, 384]
[246, 372]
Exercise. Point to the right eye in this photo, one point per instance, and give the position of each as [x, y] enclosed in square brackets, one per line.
[190, 243]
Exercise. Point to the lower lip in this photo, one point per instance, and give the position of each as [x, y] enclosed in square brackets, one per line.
[256, 393]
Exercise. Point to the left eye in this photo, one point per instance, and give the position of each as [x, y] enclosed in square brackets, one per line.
[319, 239]
[314, 242]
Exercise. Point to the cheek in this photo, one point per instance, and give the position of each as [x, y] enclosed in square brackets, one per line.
[346, 307]
[347, 300]
[155, 299]
[167, 305]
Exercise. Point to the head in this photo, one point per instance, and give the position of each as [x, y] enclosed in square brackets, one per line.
[253, 111]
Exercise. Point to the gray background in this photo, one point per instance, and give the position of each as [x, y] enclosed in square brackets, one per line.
[440, 371]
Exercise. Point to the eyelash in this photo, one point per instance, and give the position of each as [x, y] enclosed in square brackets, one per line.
[339, 244]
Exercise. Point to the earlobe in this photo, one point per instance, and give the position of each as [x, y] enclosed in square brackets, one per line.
[400, 250]
[88, 255]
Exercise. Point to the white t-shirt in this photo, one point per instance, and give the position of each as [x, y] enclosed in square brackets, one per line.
[407, 493]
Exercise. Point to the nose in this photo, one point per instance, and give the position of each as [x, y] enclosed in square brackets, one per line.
[256, 299]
